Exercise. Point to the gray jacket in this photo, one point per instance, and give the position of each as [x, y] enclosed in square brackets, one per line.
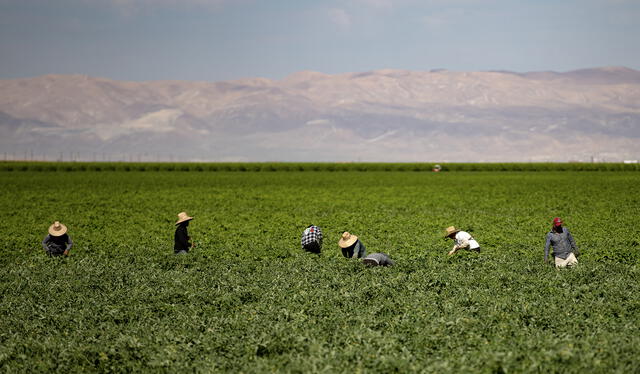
[382, 258]
[562, 243]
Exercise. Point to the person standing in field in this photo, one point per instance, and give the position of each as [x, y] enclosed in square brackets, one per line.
[564, 247]
[57, 242]
[351, 246]
[378, 259]
[182, 238]
[462, 239]
[312, 239]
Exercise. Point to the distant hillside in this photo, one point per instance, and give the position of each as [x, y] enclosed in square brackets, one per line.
[385, 115]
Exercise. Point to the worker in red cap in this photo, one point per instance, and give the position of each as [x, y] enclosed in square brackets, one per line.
[564, 247]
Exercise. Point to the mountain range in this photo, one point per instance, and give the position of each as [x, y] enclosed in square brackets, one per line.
[383, 115]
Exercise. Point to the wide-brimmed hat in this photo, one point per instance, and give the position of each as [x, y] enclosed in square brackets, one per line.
[450, 230]
[183, 217]
[347, 240]
[557, 221]
[57, 229]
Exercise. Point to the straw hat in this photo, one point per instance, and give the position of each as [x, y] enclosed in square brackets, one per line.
[347, 240]
[57, 229]
[450, 230]
[182, 217]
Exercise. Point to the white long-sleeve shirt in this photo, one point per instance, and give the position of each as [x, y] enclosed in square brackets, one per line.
[463, 240]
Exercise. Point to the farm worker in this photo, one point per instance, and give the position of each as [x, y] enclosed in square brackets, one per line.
[378, 259]
[312, 239]
[57, 242]
[564, 247]
[182, 238]
[462, 239]
[351, 246]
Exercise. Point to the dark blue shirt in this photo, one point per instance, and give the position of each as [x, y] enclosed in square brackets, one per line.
[181, 239]
[56, 245]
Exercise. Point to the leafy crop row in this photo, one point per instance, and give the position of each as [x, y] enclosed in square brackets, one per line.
[308, 166]
[248, 299]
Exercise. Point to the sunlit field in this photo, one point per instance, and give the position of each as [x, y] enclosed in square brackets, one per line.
[248, 299]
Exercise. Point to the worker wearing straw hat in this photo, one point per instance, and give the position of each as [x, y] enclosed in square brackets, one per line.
[564, 247]
[462, 239]
[351, 246]
[182, 238]
[57, 242]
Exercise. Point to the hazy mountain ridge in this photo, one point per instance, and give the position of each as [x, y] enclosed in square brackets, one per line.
[389, 115]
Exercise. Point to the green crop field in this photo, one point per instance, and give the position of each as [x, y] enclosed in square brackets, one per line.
[247, 299]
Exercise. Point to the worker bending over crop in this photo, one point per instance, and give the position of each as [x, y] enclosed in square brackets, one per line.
[564, 247]
[312, 239]
[462, 239]
[182, 238]
[378, 259]
[351, 246]
[57, 242]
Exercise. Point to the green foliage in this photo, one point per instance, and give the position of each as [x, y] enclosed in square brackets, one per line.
[247, 299]
[308, 166]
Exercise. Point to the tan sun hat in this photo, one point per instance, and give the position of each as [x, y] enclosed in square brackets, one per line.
[347, 240]
[57, 229]
[450, 230]
[182, 217]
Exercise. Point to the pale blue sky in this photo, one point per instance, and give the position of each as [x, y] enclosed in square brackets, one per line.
[228, 39]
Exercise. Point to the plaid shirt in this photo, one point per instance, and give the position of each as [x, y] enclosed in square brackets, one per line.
[312, 234]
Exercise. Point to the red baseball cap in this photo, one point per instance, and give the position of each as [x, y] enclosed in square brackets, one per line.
[557, 221]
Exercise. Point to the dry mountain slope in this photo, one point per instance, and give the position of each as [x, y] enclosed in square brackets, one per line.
[388, 115]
